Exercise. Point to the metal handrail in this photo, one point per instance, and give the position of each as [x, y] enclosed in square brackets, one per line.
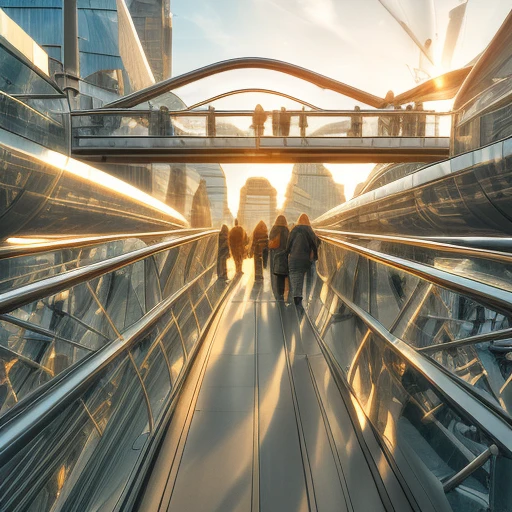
[15, 250]
[19, 297]
[427, 243]
[496, 298]
[20, 424]
[493, 424]
[502, 334]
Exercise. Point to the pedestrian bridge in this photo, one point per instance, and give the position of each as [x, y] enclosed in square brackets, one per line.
[141, 127]
[133, 377]
[134, 136]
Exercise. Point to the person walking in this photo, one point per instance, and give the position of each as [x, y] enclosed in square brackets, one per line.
[259, 249]
[285, 119]
[409, 123]
[421, 119]
[211, 128]
[356, 123]
[303, 122]
[223, 253]
[237, 245]
[302, 250]
[258, 121]
[278, 240]
[385, 121]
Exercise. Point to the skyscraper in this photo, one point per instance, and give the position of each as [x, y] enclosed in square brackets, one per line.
[311, 190]
[217, 190]
[258, 201]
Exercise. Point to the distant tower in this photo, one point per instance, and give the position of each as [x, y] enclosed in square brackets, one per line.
[217, 190]
[311, 190]
[258, 201]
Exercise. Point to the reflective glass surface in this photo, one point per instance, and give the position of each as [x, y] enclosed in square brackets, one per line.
[86, 455]
[469, 195]
[241, 124]
[45, 337]
[418, 312]
[421, 427]
[31, 106]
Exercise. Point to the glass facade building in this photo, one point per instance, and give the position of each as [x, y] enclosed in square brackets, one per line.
[111, 56]
[311, 190]
[258, 201]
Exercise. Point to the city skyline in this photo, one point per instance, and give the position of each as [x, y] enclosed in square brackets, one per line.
[351, 42]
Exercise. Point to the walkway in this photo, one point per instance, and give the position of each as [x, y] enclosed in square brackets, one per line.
[261, 424]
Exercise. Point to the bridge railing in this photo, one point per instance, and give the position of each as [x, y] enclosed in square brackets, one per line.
[214, 123]
[420, 332]
[92, 359]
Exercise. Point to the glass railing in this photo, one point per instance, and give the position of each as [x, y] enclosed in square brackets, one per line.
[88, 373]
[43, 337]
[426, 354]
[41, 120]
[162, 123]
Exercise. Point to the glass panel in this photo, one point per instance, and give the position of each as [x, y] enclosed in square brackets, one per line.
[188, 327]
[174, 349]
[125, 302]
[488, 271]
[154, 372]
[18, 78]
[391, 288]
[203, 312]
[415, 420]
[419, 313]
[362, 284]
[73, 314]
[74, 464]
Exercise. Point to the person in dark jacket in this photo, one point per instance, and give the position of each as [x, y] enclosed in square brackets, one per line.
[223, 253]
[278, 240]
[259, 249]
[302, 250]
[237, 245]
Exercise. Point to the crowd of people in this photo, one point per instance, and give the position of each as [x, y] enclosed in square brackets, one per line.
[290, 254]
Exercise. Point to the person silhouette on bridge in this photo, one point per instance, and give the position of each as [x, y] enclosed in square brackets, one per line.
[384, 125]
[356, 123]
[421, 123]
[396, 122]
[258, 121]
[303, 122]
[302, 250]
[409, 122]
[211, 129]
[278, 240]
[259, 249]
[237, 244]
[285, 119]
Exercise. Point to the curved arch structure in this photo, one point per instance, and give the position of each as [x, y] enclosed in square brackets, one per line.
[252, 90]
[317, 79]
[440, 88]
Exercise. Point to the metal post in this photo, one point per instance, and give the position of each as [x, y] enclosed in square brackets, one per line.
[466, 471]
[71, 50]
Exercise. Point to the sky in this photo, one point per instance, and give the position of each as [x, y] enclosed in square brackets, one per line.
[354, 41]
